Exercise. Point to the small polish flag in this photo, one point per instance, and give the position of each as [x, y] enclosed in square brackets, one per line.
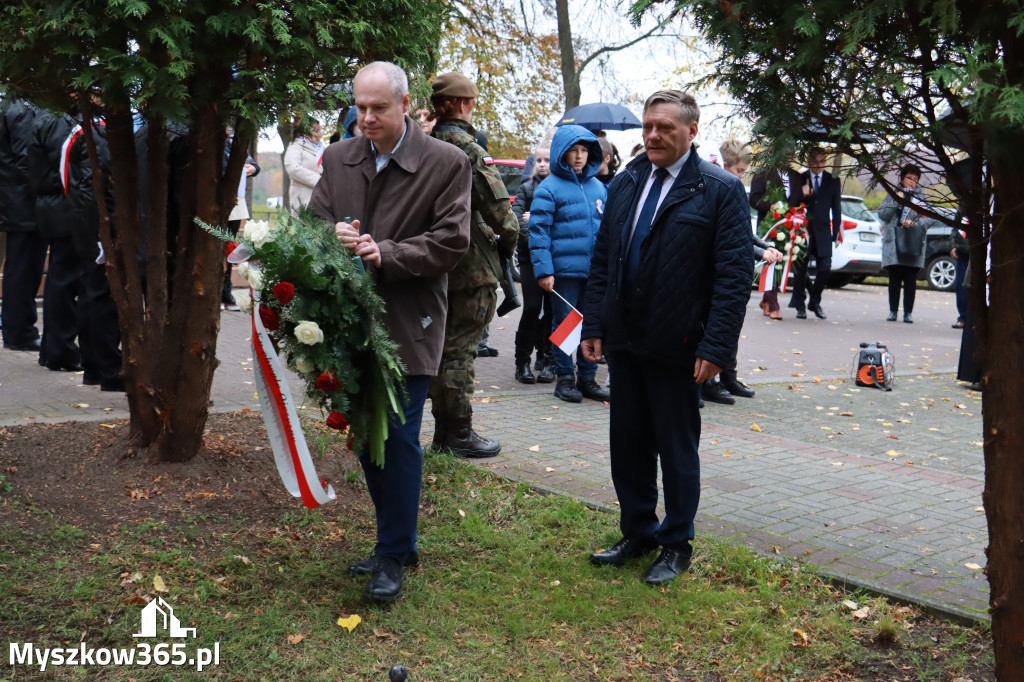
[567, 335]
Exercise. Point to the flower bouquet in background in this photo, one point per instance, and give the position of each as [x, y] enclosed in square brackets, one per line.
[786, 231]
[314, 305]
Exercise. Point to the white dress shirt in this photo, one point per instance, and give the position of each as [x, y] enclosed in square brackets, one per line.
[673, 173]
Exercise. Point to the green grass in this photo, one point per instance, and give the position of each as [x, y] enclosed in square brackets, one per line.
[503, 592]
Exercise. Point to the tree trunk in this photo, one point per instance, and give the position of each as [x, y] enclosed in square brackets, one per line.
[570, 77]
[1003, 427]
[284, 131]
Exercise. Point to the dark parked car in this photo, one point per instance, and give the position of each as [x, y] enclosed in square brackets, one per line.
[939, 266]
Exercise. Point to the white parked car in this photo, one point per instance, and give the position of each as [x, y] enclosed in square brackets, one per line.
[859, 253]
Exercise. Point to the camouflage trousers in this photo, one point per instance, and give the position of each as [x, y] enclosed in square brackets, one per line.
[450, 391]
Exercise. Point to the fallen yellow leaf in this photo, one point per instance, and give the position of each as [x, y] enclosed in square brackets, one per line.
[860, 614]
[892, 453]
[295, 639]
[973, 567]
[755, 427]
[82, 405]
[462, 513]
[158, 583]
[534, 448]
[548, 469]
[350, 623]
[107, 426]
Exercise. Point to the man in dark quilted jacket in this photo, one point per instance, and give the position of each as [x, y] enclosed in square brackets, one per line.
[665, 301]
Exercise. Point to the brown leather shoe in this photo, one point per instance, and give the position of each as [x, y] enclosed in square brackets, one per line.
[764, 307]
[776, 315]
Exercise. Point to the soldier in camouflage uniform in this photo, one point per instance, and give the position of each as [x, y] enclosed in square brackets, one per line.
[472, 284]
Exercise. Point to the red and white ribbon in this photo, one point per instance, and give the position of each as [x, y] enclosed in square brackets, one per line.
[294, 463]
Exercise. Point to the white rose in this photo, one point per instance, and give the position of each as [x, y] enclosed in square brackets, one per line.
[798, 240]
[309, 333]
[243, 301]
[243, 270]
[304, 365]
[258, 231]
[255, 278]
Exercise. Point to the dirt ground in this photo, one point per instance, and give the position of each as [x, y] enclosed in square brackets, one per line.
[87, 476]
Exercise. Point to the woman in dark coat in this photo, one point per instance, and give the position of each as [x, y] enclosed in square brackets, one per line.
[903, 237]
[533, 329]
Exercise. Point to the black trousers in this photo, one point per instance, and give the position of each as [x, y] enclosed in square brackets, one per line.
[654, 418]
[23, 271]
[535, 320]
[60, 305]
[802, 283]
[902, 277]
[98, 333]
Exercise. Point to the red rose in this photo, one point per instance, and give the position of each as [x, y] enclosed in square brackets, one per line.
[775, 214]
[327, 382]
[232, 246]
[773, 234]
[336, 420]
[269, 318]
[284, 292]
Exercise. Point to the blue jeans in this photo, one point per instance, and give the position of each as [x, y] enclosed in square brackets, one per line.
[395, 488]
[572, 291]
[961, 292]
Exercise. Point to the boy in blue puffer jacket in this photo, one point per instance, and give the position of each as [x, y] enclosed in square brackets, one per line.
[564, 219]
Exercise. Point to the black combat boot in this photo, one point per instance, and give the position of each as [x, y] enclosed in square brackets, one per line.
[523, 373]
[566, 389]
[734, 385]
[589, 388]
[440, 436]
[547, 374]
[463, 441]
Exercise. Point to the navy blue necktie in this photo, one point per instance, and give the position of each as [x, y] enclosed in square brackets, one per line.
[643, 223]
[817, 183]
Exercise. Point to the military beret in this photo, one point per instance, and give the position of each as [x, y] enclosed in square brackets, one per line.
[454, 84]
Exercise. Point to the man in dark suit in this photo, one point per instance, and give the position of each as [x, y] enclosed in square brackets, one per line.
[825, 221]
[765, 186]
[665, 300]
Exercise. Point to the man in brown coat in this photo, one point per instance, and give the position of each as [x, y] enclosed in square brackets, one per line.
[399, 200]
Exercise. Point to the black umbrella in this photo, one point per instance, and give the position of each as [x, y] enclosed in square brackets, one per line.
[600, 116]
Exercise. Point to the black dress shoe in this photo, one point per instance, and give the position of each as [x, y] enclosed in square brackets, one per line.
[714, 392]
[624, 549]
[801, 314]
[736, 387]
[892, 316]
[908, 318]
[63, 366]
[365, 567]
[386, 580]
[818, 312]
[669, 564]
[114, 385]
[32, 346]
[486, 352]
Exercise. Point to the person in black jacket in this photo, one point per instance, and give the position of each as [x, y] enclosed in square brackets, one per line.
[535, 321]
[824, 224]
[55, 132]
[99, 336]
[665, 300]
[26, 249]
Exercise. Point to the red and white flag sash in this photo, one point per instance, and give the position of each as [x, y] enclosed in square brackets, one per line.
[766, 281]
[568, 334]
[65, 150]
[294, 463]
